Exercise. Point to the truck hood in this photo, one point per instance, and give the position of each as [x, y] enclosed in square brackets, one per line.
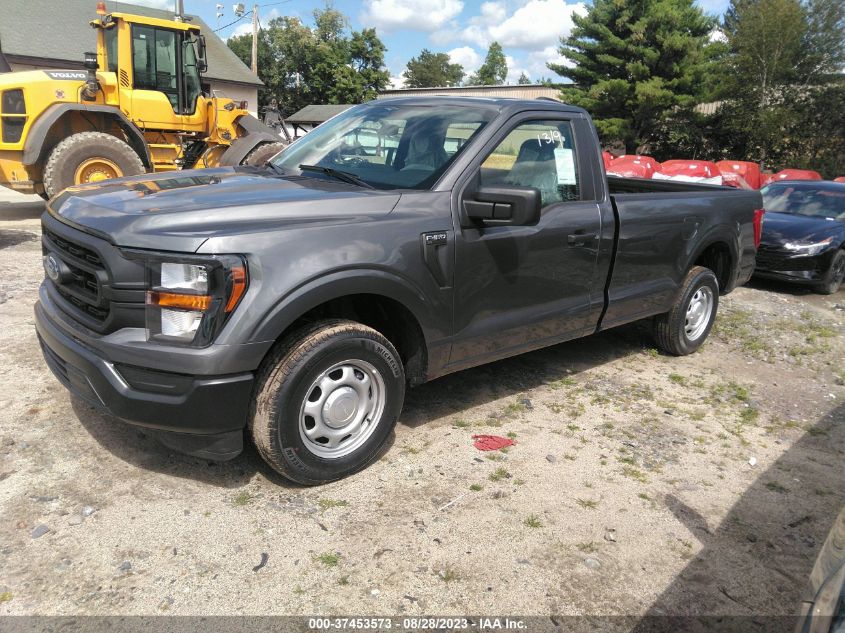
[180, 211]
[787, 227]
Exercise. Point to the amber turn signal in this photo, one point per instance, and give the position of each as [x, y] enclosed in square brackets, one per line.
[238, 274]
[179, 301]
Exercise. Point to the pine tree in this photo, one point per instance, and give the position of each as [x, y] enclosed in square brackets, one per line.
[494, 70]
[636, 62]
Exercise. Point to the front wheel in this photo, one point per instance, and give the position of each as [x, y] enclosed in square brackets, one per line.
[89, 157]
[686, 326]
[833, 276]
[327, 400]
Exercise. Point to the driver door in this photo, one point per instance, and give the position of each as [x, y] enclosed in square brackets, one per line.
[522, 287]
[156, 59]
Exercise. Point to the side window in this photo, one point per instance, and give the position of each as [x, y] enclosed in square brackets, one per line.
[111, 49]
[537, 154]
[154, 61]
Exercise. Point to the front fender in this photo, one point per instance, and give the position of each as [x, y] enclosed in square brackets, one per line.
[338, 284]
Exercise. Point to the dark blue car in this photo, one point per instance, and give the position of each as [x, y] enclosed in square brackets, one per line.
[804, 234]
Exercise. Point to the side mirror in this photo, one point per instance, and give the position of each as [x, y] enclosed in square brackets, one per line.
[202, 64]
[509, 206]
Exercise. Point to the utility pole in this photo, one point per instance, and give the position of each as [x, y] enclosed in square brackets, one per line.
[255, 38]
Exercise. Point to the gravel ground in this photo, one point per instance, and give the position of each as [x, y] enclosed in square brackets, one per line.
[639, 483]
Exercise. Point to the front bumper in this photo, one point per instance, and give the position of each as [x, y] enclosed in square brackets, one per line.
[786, 266]
[199, 415]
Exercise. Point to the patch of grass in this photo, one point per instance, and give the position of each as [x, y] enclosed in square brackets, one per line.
[447, 574]
[678, 379]
[499, 474]
[532, 521]
[410, 450]
[570, 457]
[588, 548]
[749, 415]
[514, 409]
[243, 498]
[556, 407]
[563, 382]
[476, 487]
[6, 596]
[644, 496]
[599, 399]
[511, 435]
[635, 473]
[652, 352]
[775, 486]
[298, 590]
[461, 424]
[587, 503]
[573, 428]
[343, 581]
[518, 482]
[494, 456]
[329, 559]
[327, 504]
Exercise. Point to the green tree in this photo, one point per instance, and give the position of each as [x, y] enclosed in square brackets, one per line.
[636, 61]
[781, 96]
[494, 70]
[524, 79]
[326, 63]
[431, 70]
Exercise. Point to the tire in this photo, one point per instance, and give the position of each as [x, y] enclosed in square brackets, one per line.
[686, 326]
[100, 156]
[833, 276]
[322, 372]
[264, 152]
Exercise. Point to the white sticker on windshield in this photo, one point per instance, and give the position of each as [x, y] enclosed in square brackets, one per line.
[565, 163]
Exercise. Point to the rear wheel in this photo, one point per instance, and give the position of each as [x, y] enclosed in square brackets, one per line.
[327, 400]
[686, 326]
[833, 276]
[261, 154]
[89, 157]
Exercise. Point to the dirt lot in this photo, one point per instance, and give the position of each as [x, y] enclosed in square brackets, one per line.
[639, 483]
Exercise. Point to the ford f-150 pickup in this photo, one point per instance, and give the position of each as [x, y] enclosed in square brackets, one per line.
[402, 240]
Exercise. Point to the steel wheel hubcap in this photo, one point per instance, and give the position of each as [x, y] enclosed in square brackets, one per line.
[698, 313]
[342, 408]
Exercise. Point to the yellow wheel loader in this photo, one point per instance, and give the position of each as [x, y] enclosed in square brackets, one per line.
[137, 107]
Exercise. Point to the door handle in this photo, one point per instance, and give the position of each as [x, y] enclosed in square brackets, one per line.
[581, 239]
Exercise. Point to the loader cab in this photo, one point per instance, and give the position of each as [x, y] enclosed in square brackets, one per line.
[158, 66]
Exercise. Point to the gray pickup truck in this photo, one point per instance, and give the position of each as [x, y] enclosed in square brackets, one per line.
[400, 241]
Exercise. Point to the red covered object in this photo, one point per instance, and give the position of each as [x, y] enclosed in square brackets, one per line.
[797, 174]
[748, 171]
[491, 442]
[607, 158]
[693, 168]
[735, 180]
[839, 179]
[632, 166]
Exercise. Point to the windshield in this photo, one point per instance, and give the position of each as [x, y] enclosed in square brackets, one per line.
[387, 146]
[810, 200]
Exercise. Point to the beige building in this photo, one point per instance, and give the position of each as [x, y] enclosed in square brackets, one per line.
[55, 34]
[519, 91]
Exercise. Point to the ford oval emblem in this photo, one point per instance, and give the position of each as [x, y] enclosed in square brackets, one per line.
[52, 267]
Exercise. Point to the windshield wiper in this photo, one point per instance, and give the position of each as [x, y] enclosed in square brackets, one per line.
[345, 176]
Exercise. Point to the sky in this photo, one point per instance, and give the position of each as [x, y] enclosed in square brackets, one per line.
[528, 30]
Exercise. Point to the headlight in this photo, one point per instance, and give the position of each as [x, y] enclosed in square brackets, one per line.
[808, 248]
[190, 298]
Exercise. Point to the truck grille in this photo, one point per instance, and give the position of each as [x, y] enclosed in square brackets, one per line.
[97, 286]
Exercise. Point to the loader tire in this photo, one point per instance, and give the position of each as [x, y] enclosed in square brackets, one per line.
[89, 157]
[264, 152]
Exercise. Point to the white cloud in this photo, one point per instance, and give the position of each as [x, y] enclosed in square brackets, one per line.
[467, 57]
[396, 83]
[536, 24]
[241, 29]
[166, 5]
[417, 15]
